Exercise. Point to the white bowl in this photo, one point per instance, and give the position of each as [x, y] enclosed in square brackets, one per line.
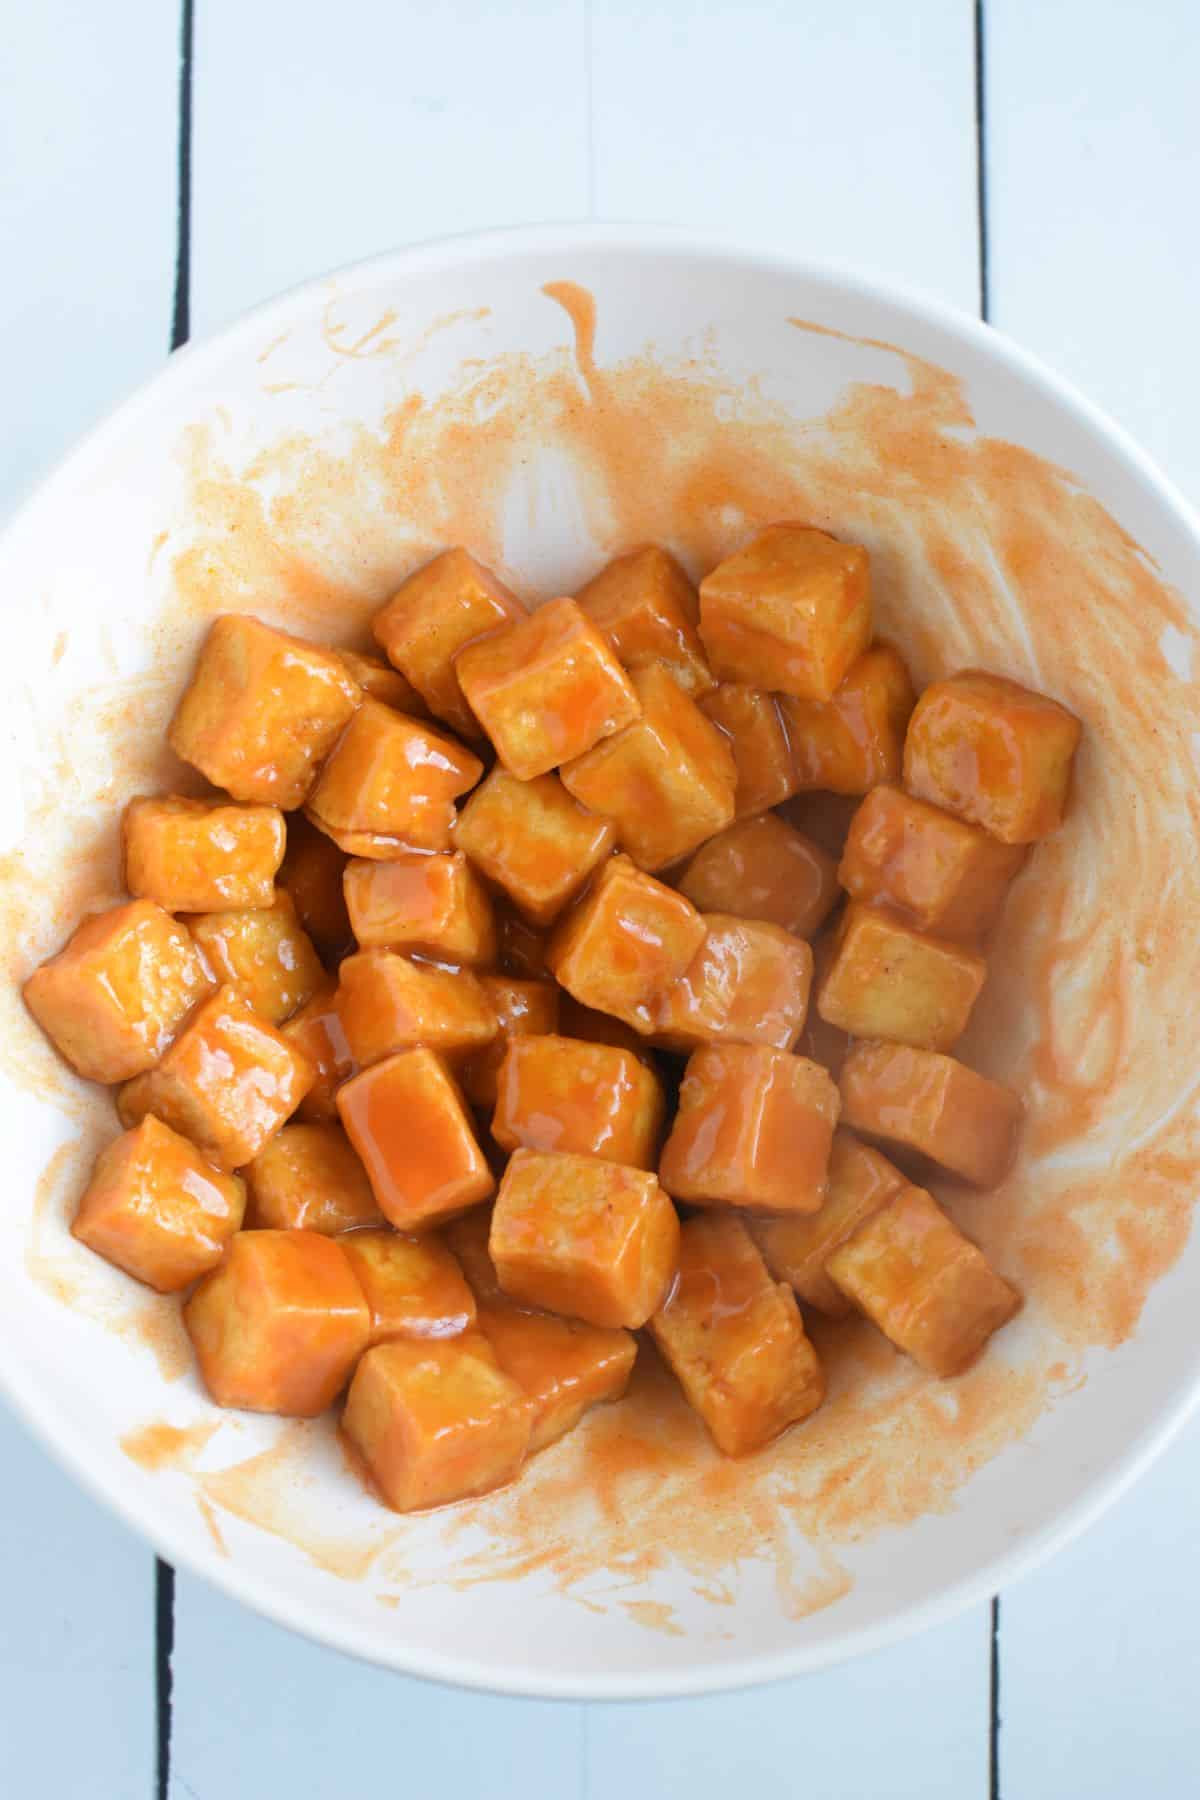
[296, 466]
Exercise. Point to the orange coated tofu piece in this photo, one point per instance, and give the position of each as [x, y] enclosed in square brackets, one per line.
[279, 1326]
[524, 1009]
[388, 1003]
[228, 1082]
[754, 729]
[647, 608]
[824, 819]
[201, 855]
[312, 872]
[625, 943]
[747, 984]
[927, 1287]
[667, 781]
[932, 1106]
[754, 1129]
[993, 752]
[413, 1285]
[595, 1240]
[885, 980]
[522, 950]
[433, 615]
[763, 869]
[433, 905]
[317, 1032]
[379, 681]
[789, 612]
[436, 1421]
[534, 840]
[309, 1179]
[562, 1366]
[852, 742]
[796, 1247]
[266, 954]
[940, 873]
[156, 1209]
[262, 711]
[553, 1093]
[734, 1340]
[115, 995]
[391, 784]
[467, 1237]
[546, 689]
[407, 1120]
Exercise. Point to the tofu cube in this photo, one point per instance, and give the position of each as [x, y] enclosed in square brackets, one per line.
[201, 855]
[763, 869]
[524, 1009]
[591, 1099]
[435, 1421]
[533, 840]
[228, 1082]
[562, 1366]
[851, 743]
[647, 608]
[413, 1285]
[941, 874]
[747, 984]
[391, 784]
[928, 1288]
[796, 1247]
[262, 711]
[885, 980]
[590, 1027]
[595, 1240]
[316, 1031]
[734, 1340]
[932, 1106]
[754, 729]
[467, 1237]
[406, 1118]
[754, 1128]
[546, 689]
[387, 1003]
[432, 905]
[266, 954]
[279, 1326]
[312, 872]
[522, 950]
[113, 998]
[309, 1179]
[379, 681]
[433, 615]
[789, 612]
[993, 752]
[667, 781]
[156, 1209]
[625, 943]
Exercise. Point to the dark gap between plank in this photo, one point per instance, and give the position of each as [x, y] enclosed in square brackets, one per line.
[994, 1706]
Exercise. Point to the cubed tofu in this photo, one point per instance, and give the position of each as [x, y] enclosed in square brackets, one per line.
[595, 1240]
[533, 840]
[796, 1247]
[592, 1027]
[228, 1082]
[262, 711]
[413, 1285]
[885, 980]
[993, 752]
[562, 1366]
[734, 1340]
[388, 1003]
[312, 872]
[266, 954]
[647, 609]
[391, 784]
[279, 1326]
[928, 1288]
[432, 905]
[754, 1128]
[849, 744]
[379, 681]
[435, 1421]
[553, 1093]
[932, 1106]
[667, 781]
[467, 1237]
[201, 855]
[433, 615]
[747, 984]
[625, 943]
[943, 875]
[524, 1009]
[752, 725]
[546, 689]
[116, 994]
[522, 950]
[408, 1122]
[317, 1032]
[789, 612]
[763, 869]
[156, 1209]
[309, 1179]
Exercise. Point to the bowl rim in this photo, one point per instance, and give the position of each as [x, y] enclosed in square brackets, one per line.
[268, 1596]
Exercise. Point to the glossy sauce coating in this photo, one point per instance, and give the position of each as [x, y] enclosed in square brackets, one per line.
[412, 1285]
[307, 1178]
[201, 855]
[407, 1121]
[747, 984]
[763, 869]
[524, 1009]
[624, 944]
[265, 953]
[553, 1093]
[647, 608]
[750, 720]
[388, 1003]
[883, 979]
[850, 743]
[534, 840]
[437, 612]
[797, 1248]
[929, 1104]
[392, 777]
[316, 1031]
[431, 905]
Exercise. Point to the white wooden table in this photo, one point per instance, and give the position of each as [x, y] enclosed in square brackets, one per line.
[1039, 159]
